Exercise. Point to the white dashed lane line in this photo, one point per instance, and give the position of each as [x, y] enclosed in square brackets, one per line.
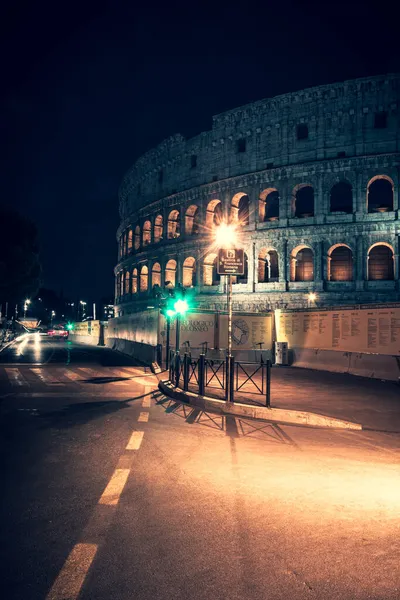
[71, 577]
[143, 417]
[135, 440]
[114, 487]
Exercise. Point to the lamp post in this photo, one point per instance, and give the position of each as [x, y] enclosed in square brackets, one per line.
[26, 304]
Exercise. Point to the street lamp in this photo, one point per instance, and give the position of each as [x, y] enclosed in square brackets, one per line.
[83, 304]
[26, 304]
[311, 297]
[53, 314]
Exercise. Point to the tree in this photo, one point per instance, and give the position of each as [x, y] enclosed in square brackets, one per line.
[20, 269]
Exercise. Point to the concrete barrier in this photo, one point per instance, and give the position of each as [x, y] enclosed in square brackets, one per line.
[323, 360]
[83, 339]
[377, 366]
[276, 415]
[145, 353]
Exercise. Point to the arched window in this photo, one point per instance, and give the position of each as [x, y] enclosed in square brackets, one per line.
[130, 240]
[302, 264]
[173, 225]
[268, 267]
[146, 233]
[189, 272]
[268, 205]
[214, 214]
[240, 209]
[158, 228]
[170, 273]
[242, 278]
[144, 279]
[381, 263]
[134, 281]
[210, 275]
[340, 263]
[192, 220]
[341, 198]
[304, 201]
[380, 194]
[122, 284]
[127, 282]
[156, 274]
[137, 238]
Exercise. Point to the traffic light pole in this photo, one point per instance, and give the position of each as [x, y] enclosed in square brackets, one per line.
[178, 332]
[167, 343]
[229, 375]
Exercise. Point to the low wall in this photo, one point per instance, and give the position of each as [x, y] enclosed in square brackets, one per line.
[377, 366]
[145, 353]
[84, 339]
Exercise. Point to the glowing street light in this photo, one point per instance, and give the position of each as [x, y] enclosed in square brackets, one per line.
[26, 304]
[225, 236]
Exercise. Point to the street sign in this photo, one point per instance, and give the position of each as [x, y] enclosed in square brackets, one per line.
[230, 261]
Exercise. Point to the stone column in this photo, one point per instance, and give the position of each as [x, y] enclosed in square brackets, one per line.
[253, 208]
[318, 253]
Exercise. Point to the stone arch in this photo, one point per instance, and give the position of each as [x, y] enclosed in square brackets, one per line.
[340, 263]
[158, 228]
[127, 283]
[146, 233]
[137, 238]
[380, 194]
[134, 280]
[240, 209]
[381, 262]
[268, 205]
[341, 197]
[189, 272]
[210, 275]
[130, 239]
[242, 278]
[144, 278]
[170, 273]
[268, 265]
[192, 220]
[302, 264]
[173, 224]
[303, 200]
[156, 274]
[214, 214]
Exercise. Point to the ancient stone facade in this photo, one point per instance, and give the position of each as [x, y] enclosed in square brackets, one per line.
[311, 181]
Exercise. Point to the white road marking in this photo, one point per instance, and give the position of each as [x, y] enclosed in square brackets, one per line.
[114, 487]
[146, 402]
[135, 440]
[46, 377]
[72, 375]
[72, 576]
[143, 417]
[15, 377]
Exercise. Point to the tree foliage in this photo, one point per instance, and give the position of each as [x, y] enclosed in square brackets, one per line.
[20, 269]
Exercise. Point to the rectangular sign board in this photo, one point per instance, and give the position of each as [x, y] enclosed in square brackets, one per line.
[230, 261]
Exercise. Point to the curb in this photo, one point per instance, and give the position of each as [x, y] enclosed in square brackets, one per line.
[276, 415]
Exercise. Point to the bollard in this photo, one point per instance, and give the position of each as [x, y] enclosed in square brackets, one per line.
[268, 398]
[201, 374]
[177, 368]
[186, 372]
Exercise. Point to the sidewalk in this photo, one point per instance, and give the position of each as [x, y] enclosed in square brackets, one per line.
[373, 403]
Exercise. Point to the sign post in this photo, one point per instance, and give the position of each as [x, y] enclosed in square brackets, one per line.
[230, 263]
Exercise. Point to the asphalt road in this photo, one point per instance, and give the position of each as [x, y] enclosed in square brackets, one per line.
[112, 491]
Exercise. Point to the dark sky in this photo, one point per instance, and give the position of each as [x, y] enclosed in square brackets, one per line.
[88, 87]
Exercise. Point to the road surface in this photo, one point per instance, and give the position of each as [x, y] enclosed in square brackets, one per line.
[113, 492]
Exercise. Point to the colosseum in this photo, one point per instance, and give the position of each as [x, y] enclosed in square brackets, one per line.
[311, 180]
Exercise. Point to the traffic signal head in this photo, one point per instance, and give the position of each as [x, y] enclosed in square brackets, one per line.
[70, 326]
[181, 306]
[170, 312]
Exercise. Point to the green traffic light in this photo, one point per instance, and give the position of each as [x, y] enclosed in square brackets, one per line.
[70, 326]
[170, 313]
[181, 306]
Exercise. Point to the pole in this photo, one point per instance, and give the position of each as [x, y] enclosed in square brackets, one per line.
[229, 362]
[94, 311]
[167, 345]
[178, 331]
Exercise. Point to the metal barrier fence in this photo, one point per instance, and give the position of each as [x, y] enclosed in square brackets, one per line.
[209, 375]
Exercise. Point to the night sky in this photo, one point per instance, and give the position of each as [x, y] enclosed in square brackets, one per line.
[89, 87]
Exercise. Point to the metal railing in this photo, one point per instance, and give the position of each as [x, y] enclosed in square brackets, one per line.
[209, 375]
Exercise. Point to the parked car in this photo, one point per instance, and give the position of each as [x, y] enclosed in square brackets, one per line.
[57, 332]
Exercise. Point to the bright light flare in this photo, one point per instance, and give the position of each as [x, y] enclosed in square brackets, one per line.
[181, 306]
[312, 297]
[225, 235]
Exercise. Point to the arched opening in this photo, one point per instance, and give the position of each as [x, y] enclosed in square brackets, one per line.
[130, 240]
[302, 264]
[144, 279]
[210, 275]
[134, 281]
[340, 263]
[380, 194]
[240, 209]
[304, 201]
[341, 198]
[127, 282]
[136, 241]
[156, 274]
[242, 278]
[189, 272]
[214, 214]
[173, 225]
[268, 267]
[268, 205]
[170, 273]
[146, 233]
[122, 285]
[381, 263]
[192, 220]
[158, 228]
